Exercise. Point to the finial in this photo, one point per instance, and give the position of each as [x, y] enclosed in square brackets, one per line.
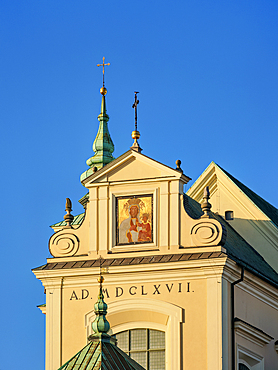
[103, 90]
[206, 206]
[136, 134]
[100, 324]
[68, 216]
[178, 163]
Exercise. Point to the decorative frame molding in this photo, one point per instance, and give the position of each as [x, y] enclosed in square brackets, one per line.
[113, 247]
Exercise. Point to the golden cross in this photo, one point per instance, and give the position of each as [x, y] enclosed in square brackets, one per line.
[102, 65]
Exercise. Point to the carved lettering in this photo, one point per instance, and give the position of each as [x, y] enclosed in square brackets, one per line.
[143, 293]
[156, 289]
[169, 288]
[133, 292]
[73, 295]
[85, 294]
[119, 289]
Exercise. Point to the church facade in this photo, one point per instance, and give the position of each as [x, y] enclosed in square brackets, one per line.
[190, 279]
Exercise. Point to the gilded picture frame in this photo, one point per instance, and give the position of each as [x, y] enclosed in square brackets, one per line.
[134, 219]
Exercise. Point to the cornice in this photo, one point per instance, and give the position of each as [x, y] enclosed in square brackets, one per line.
[195, 269]
[251, 333]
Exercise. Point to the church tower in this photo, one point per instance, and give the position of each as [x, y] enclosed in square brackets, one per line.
[185, 287]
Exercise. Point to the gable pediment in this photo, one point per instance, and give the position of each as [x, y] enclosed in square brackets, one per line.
[248, 219]
[132, 166]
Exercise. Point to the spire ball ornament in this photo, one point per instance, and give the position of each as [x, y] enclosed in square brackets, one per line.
[103, 91]
[178, 168]
[135, 135]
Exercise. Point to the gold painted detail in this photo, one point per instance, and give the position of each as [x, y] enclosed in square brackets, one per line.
[103, 91]
[135, 135]
[134, 219]
[103, 71]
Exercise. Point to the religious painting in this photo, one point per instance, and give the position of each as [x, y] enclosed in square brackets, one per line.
[134, 219]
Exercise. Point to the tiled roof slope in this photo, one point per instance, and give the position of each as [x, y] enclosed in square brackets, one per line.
[237, 248]
[269, 210]
[101, 355]
[162, 258]
[78, 219]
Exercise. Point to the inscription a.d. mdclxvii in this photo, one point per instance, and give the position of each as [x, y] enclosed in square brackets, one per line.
[133, 290]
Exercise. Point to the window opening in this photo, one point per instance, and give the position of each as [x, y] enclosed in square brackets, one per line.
[229, 215]
[145, 346]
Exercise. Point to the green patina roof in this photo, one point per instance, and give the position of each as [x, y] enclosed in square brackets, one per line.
[237, 248]
[103, 145]
[78, 219]
[269, 210]
[84, 200]
[101, 354]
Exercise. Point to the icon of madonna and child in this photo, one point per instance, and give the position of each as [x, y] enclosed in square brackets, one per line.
[134, 219]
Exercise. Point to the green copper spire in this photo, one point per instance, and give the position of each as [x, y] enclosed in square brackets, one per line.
[103, 145]
[101, 352]
[100, 324]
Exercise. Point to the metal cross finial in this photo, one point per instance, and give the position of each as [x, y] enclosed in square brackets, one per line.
[136, 134]
[134, 105]
[102, 65]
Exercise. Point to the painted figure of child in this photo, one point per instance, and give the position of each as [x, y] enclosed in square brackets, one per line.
[145, 234]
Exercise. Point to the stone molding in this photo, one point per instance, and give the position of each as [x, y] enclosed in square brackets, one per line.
[251, 333]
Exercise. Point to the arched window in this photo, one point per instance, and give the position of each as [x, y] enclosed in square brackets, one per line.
[145, 346]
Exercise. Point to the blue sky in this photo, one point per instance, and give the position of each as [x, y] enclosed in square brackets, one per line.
[208, 81]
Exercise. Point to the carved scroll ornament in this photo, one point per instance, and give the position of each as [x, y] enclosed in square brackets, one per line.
[210, 232]
[63, 244]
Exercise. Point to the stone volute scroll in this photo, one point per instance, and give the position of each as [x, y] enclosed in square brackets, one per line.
[205, 231]
[65, 242]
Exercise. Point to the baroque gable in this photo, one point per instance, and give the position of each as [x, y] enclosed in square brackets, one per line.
[160, 224]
